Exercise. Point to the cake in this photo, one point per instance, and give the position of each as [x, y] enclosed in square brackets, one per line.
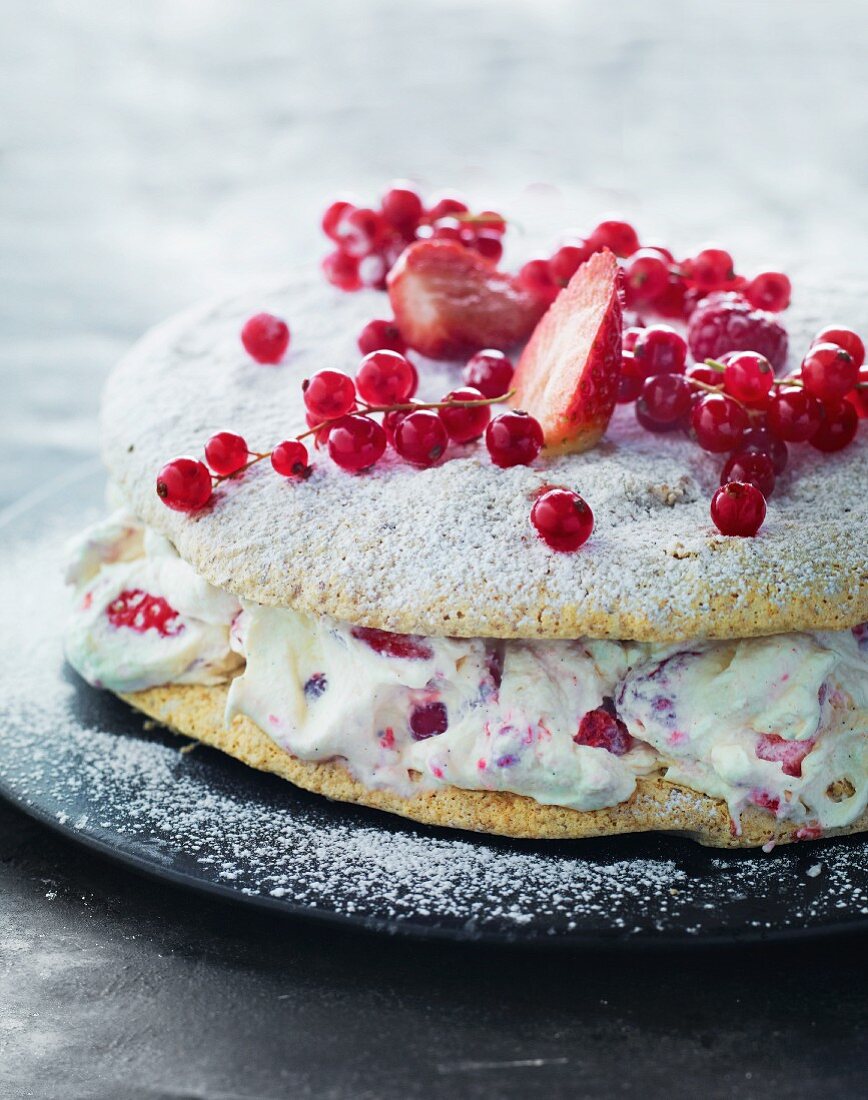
[566, 646]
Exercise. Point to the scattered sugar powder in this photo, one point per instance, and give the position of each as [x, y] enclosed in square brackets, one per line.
[81, 758]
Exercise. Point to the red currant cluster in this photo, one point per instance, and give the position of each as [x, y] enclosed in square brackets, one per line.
[736, 406]
[369, 241]
[653, 278]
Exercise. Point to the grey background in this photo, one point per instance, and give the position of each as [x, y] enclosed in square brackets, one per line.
[154, 153]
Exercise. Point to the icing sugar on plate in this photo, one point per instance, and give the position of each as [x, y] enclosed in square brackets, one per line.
[84, 762]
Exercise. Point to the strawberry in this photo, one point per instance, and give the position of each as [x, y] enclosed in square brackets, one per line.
[450, 302]
[569, 373]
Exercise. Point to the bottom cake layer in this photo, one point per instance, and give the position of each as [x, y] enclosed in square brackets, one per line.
[656, 805]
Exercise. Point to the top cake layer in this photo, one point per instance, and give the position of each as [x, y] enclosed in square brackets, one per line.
[450, 550]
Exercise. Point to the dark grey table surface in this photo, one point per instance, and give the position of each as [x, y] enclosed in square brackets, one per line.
[154, 153]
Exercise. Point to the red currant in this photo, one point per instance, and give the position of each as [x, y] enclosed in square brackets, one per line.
[838, 428]
[659, 349]
[566, 261]
[381, 335]
[360, 230]
[331, 219]
[402, 208]
[717, 422]
[265, 338]
[513, 438]
[754, 467]
[759, 440]
[391, 420]
[845, 338]
[184, 484]
[858, 396]
[342, 271]
[385, 378]
[448, 229]
[421, 437]
[620, 236]
[467, 422]
[769, 290]
[793, 415]
[563, 520]
[629, 337]
[373, 270]
[329, 394]
[738, 508]
[749, 378]
[446, 206]
[536, 277]
[664, 402]
[356, 442]
[710, 269]
[630, 382]
[226, 453]
[673, 302]
[646, 274]
[701, 373]
[290, 459]
[828, 372]
[492, 221]
[490, 372]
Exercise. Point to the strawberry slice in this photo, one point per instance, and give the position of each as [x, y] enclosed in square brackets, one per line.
[569, 372]
[449, 302]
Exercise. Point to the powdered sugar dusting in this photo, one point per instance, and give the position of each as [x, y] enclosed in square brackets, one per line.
[81, 756]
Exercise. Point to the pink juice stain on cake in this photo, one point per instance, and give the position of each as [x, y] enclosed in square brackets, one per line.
[136, 610]
[408, 647]
[789, 754]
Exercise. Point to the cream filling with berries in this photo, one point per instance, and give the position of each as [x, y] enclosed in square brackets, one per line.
[779, 722]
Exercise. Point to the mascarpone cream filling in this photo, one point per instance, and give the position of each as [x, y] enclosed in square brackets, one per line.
[780, 722]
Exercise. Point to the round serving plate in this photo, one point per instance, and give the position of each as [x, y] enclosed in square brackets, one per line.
[84, 763]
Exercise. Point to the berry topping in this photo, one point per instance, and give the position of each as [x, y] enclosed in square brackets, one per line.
[385, 378]
[845, 338]
[794, 415]
[342, 271]
[664, 402]
[184, 484]
[265, 338]
[562, 519]
[738, 508]
[490, 372]
[752, 467]
[289, 459]
[421, 438]
[659, 349]
[513, 439]
[226, 453]
[789, 754]
[619, 236]
[381, 335]
[761, 440]
[402, 208]
[315, 686]
[407, 647]
[749, 378]
[468, 422]
[838, 427]
[728, 323]
[828, 372]
[137, 610]
[599, 729]
[428, 720]
[569, 373]
[770, 290]
[718, 422]
[448, 301]
[356, 442]
[329, 394]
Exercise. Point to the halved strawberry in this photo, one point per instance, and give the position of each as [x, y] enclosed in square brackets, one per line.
[569, 372]
[449, 302]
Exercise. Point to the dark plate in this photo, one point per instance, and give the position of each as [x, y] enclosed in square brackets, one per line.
[84, 763]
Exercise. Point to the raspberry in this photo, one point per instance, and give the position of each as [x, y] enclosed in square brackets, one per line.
[723, 323]
[599, 729]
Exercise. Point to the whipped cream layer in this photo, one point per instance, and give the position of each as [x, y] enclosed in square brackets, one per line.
[778, 722]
